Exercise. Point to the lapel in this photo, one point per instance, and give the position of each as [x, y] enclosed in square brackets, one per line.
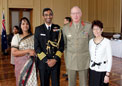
[44, 29]
[48, 34]
[52, 27]
[82, 25]
[53, 33]
[74, 32]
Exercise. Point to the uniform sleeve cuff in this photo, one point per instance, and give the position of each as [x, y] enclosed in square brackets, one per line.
[58, 55]
[56, 58]
[42, 57]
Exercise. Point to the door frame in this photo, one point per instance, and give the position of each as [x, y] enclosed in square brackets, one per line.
[20, 16]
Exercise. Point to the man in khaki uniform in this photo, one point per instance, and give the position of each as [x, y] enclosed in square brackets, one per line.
[76, 38]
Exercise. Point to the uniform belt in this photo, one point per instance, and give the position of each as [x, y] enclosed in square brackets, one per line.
[98, 64]
[94, 63]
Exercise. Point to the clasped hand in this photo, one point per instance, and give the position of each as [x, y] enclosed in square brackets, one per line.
[51, 62]
[31, 52]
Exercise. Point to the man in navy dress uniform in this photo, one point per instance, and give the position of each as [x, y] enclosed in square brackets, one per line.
[49, 46]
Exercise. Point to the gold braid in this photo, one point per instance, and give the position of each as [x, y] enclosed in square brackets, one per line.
[54, 44]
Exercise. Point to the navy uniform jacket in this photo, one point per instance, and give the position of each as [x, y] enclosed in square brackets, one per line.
[48, 45]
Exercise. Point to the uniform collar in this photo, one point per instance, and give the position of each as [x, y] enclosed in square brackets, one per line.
[82, 23]
[48, 25]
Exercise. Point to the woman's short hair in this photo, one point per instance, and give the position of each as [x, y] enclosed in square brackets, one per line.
[97, 23]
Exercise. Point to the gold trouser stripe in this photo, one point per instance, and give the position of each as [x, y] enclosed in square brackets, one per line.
[41, 55]
[59, 54]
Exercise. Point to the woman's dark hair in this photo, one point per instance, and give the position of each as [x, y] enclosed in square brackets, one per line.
[68, 19]
[47, 9]
[97, 23]
[20, 29]
[16, 27]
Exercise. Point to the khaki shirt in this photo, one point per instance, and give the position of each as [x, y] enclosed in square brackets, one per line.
[76, 41]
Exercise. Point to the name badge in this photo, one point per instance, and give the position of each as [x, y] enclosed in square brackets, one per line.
[43, 34]
[69, 35]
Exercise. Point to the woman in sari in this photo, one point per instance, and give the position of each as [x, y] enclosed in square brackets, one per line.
[23, 51]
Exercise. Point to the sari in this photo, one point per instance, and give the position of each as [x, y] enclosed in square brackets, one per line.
[25, 68]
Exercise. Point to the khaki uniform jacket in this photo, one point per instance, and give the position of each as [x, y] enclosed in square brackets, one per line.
[76, 41]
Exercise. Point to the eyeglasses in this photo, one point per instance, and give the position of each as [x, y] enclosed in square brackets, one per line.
[46, 15]
[76, 13]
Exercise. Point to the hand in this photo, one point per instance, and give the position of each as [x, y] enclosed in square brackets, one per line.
[106, 79]
[31, 52]
[51, 62]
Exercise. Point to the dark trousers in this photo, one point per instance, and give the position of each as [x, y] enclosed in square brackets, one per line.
[46, 73]
[97, 78]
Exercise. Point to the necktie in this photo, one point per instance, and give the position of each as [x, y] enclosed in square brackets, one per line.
[48, 32]
[49, 28]
[77, 26]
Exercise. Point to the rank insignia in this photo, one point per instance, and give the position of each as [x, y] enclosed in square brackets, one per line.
[85, 33]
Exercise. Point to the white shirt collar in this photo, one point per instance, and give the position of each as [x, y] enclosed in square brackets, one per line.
[48, 25]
